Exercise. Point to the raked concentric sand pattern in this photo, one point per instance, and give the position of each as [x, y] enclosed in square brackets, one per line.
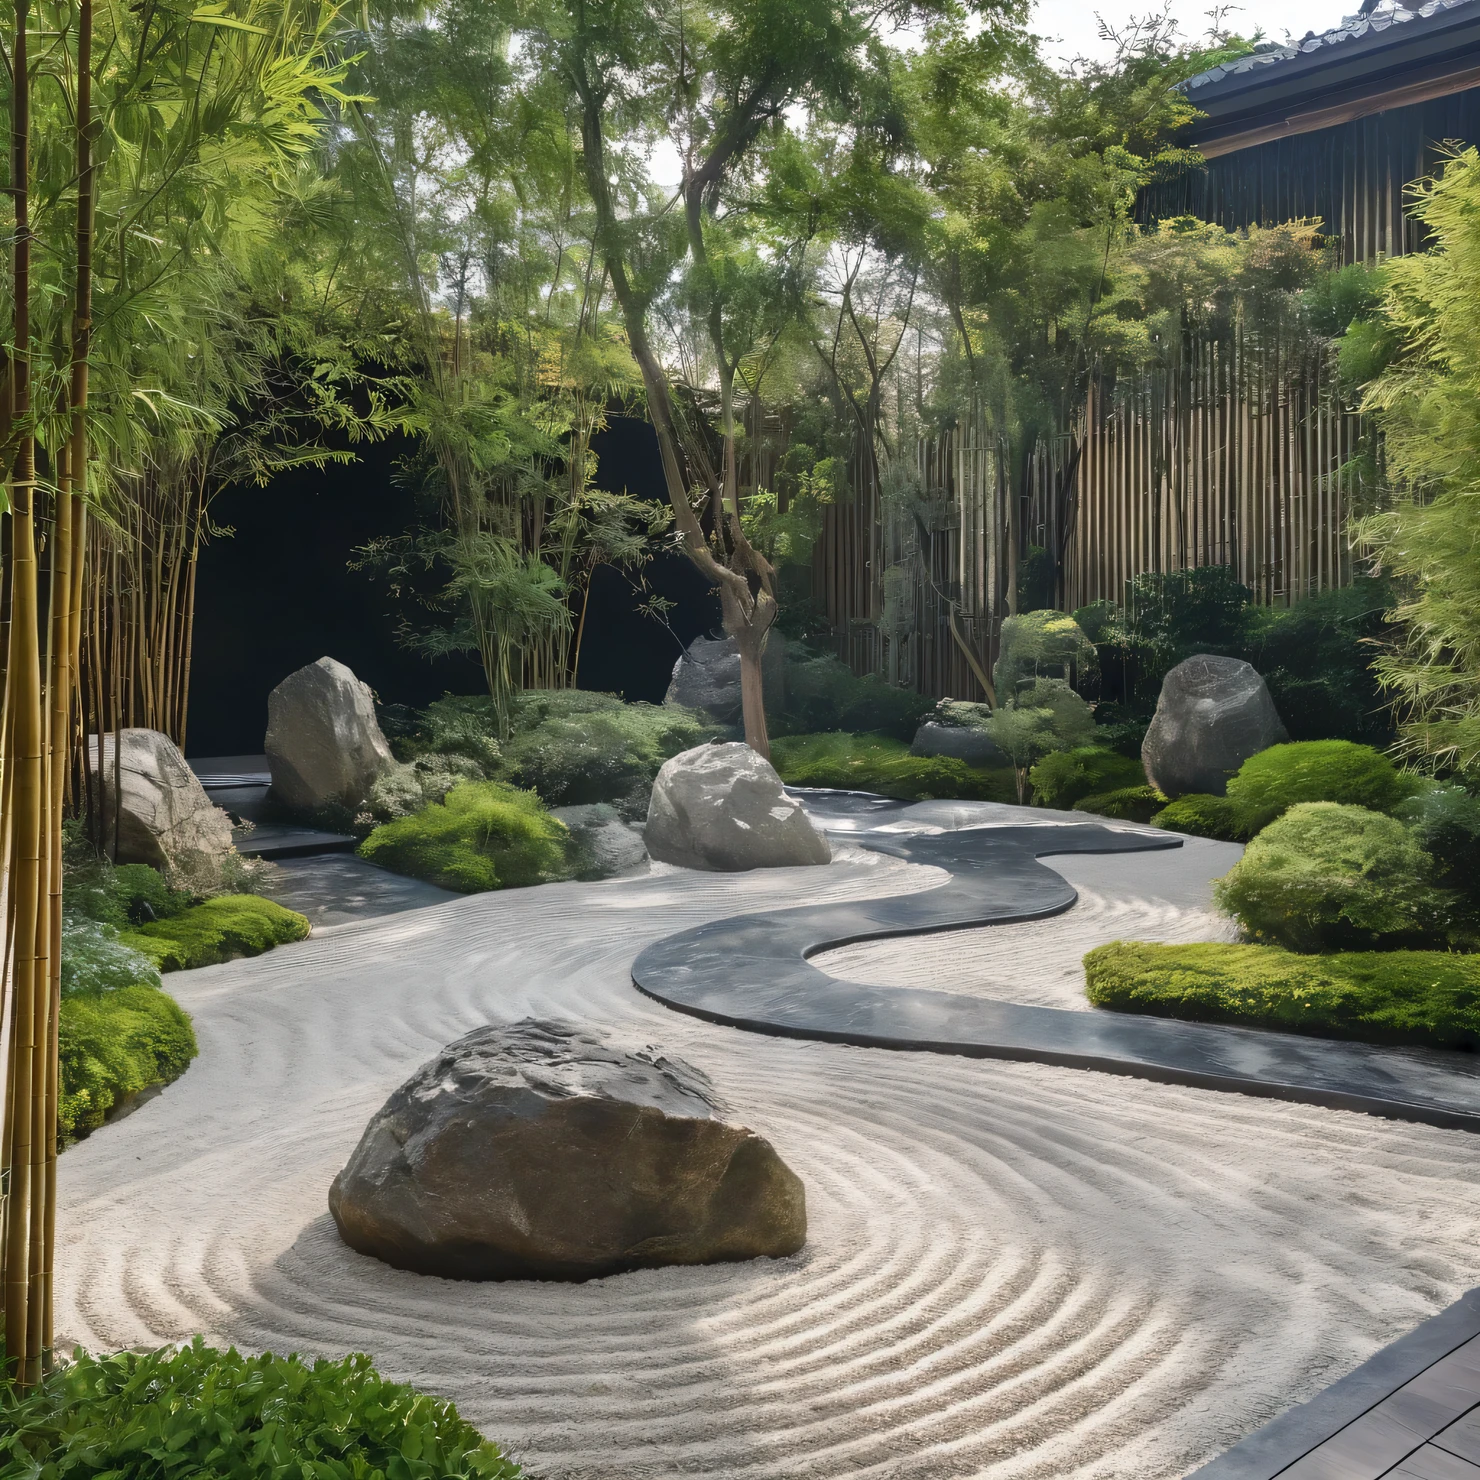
[1013, 1270]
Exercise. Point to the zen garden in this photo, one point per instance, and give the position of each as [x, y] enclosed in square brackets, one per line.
[739, 738]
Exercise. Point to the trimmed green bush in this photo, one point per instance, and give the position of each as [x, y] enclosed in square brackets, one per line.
[1279, 778]
[1061, 779]
[1203, 816]
[1129, 804]
[484, 835]
[878, 764]
[113, 1045]
[824, 694]
[214, 1415]
[1326, 877]
[1426, 997]
[219, 929]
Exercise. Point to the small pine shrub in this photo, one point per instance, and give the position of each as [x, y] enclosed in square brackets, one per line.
[1281, 777]
[1129, 804]
[214, 1415]
[1061, 779]
[879, 764]
[484, 835]
[1425, 997]
[113, 1045]
[1202, 816]
[215, 930]
[1326, 877]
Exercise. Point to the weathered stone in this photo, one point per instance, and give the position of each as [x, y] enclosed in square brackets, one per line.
[535, 1151]
[707, 677]
[1212, 715]
[608, 846]
[324, 745]
[166, 819]
[955, 729]
[722, 807]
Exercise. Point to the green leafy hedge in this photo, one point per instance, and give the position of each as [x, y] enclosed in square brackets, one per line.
[1129, 804]
[1424, 997]
[219, 929]
[485, 835]
[1283, 776]
[1063, 778]
[213, 1415]
[1326, 877]
[880, 764]
[824, 694]
[1203, 816]
[113, 1045]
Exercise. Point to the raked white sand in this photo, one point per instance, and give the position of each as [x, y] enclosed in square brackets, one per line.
[1012, 1271]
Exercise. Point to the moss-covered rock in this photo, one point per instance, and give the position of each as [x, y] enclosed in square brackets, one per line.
[219, 929]
[880, 764]
[484, 835]
[1427, 997]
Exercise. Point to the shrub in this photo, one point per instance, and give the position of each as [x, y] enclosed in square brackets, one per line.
[1039, 644]
[216, 1415]
[1203, 816]
[1276, 779]
[823, 694]
[610, 754]
[120, 894]
[1129, 804]
[1061, 779]
[219, 929]
[1331, 877]
[1428, 997]
[115, 1044]
[485, 835]
[879, 764]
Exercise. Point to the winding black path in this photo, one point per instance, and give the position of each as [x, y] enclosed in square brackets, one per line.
[752, 972]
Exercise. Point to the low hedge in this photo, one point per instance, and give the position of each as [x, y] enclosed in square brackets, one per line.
[1200, 815]
[113, 1045]
[219, 929]
[1065, 777]
[1129, 804]
[483, 835]
[879, 764]
[1422, 997]
[215, 1415]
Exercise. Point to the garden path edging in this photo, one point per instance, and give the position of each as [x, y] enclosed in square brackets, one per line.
[752, 972]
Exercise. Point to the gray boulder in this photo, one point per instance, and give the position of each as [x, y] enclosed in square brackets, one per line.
[955, 729]
[722, 807]
[534, 1151]
[166, 819]
[1212, 715]
[707, 677]
[324, 745]
[608, 846]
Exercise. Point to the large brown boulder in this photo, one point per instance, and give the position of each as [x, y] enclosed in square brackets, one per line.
[324, 745]
[165, 819]
[1212, 715]
[722, 807]
[535, 1151]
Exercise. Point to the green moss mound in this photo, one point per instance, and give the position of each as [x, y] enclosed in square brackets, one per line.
[219, 929]
[1326, 877]
[215, 1415]
[1063, 778]
[1424, 997]
[113, 1045]
[1283, 776]
[1129, 804]
[1203, 816]
[484, 835]
[879, 764]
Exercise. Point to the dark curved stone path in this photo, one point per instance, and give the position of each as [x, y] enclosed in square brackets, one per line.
[752, 972]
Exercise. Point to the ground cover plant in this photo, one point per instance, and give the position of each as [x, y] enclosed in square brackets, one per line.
[483, 835]
[217, 1415]
[1423, 997]
[880, 764]
[216, 930]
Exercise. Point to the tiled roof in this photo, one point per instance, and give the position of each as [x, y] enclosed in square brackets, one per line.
[1352, 28]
